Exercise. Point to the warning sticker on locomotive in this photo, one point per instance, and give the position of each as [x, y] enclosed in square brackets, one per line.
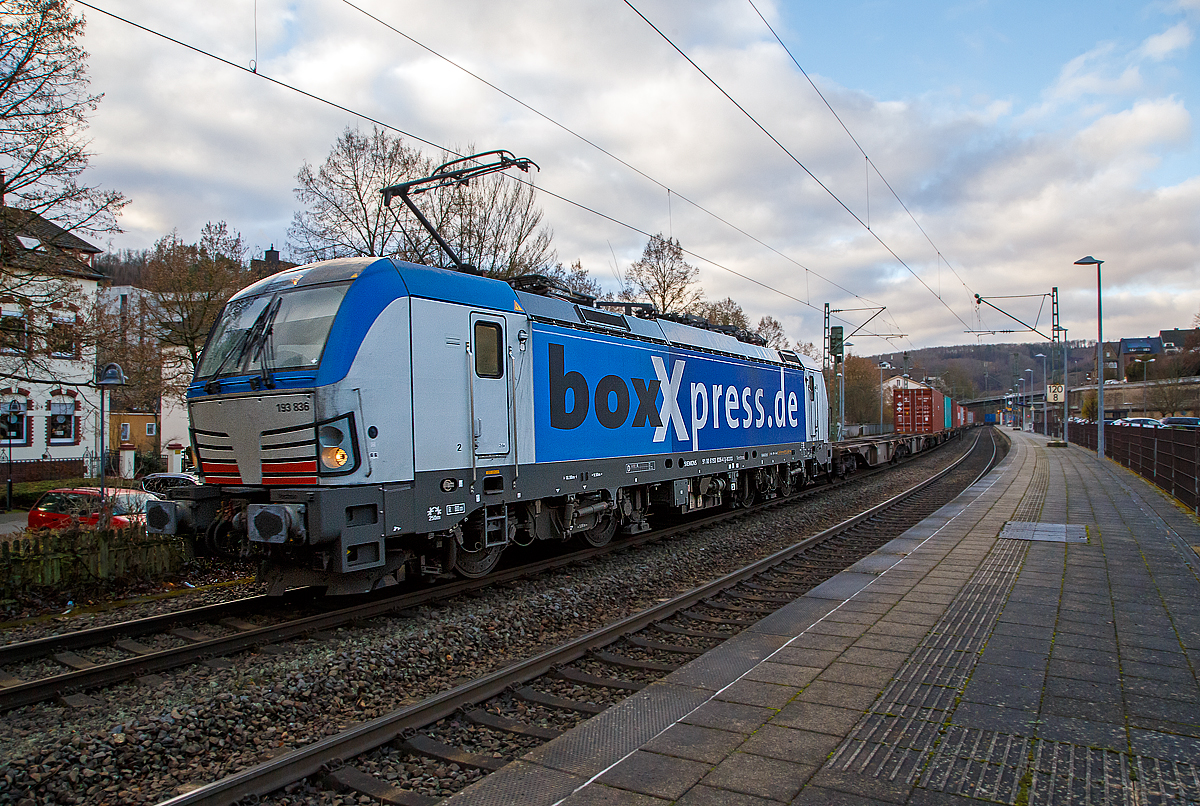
[601, 397]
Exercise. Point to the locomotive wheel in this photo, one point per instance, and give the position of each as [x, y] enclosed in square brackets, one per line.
[476, 564]
[600, 535]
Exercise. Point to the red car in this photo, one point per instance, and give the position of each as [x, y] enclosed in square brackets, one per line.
[57, 509]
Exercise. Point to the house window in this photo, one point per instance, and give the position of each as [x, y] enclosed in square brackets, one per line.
[14, 336]
[61, 426]
[13, 423]
[151, 429]
[124, 432]
[61, 338]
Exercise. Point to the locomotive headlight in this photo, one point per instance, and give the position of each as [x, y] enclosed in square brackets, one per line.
[336, 445]
[333, 457]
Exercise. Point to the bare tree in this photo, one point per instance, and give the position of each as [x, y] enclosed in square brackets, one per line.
[345, 215]
[771, 329]
[724, 312]
[663, 278]
[492, 222]
[44, 108]
[576, 278]
[188, 285]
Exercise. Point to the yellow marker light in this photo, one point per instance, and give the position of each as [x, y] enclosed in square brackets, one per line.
[333, 457]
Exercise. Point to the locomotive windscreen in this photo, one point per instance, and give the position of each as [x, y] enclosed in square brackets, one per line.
[285, 330]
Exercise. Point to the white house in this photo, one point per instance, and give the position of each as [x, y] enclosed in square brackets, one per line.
[50, 405]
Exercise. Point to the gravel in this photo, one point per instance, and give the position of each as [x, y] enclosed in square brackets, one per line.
[144, 743]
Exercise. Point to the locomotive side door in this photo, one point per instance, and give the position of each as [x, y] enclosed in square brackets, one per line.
[490, 399]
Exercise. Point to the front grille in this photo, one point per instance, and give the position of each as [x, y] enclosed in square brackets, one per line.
[217, 459]
[289, 455]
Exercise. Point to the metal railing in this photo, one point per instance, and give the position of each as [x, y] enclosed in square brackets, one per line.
[1169, 457]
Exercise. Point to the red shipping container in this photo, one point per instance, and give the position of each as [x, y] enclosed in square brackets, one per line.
[917, 411]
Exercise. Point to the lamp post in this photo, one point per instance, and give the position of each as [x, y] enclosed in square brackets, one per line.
[1045, 421]
[1091, 261]
[1021, 403]
[1066, 390]
[1029, 396]
[112, 375]
[15, 410]
[842, 395]
[881, 397]
[1144, 363]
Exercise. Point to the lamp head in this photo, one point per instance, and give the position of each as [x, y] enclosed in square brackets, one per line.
[1088, 261]
[111, 375]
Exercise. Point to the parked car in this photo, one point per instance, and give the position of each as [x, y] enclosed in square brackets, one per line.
[1148, 422]
[57, 509]
[159, 483]
[1180, 422]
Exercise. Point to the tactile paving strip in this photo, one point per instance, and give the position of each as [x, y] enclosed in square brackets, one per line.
[907, 736]
[1051, 532]
[905, 729]
[1034, 499]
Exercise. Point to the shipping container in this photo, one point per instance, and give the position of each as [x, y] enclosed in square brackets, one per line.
[971, 418]
[989, 417]
[947, 412]
[918, 411]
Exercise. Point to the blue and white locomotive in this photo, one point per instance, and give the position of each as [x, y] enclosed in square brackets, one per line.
[366, 419]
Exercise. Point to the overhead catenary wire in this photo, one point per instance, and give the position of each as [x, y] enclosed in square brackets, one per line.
[853, 139]
[588, 141]
[796, 160]
[382, 124]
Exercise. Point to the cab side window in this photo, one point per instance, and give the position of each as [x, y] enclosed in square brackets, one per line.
[489, 350]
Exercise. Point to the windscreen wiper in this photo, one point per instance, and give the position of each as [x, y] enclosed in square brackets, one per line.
[264, 349]
[249, 336]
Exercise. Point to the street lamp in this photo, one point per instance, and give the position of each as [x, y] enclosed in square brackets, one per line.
[881, 397]
[1144, 363]
[1021, 402]
[1091, 261]
[16, 413]
[842, 395]
[112, 375]
[1045, 421]
[1029, 395]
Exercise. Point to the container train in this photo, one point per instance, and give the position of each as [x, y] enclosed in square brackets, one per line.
[366, 420]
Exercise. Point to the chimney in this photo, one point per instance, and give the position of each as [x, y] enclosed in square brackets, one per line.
[272, 258]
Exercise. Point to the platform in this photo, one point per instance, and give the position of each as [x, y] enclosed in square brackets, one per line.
[1035, 641]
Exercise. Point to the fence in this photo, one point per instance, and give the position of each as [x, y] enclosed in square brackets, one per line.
[43, 469]
[1169, 457]
[83, 558]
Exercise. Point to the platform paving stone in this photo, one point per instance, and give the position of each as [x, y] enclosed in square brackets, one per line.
[952, 667]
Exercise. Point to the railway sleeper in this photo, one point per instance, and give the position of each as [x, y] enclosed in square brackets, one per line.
[630, 663]
[352, 779]
[671, 629]
[749, 610]
[757, 597]
[496, 722]
[576, 676]
[422, 745]
[634, 640]
[532, 695]
[704, 619]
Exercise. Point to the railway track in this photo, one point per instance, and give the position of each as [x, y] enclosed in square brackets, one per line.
[533, 701]
[62, 667]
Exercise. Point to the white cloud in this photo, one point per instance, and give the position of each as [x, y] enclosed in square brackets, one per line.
[191, 140]
[1158, 47]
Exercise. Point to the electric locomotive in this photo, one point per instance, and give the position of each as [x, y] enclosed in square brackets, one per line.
[365, 420]
[362, 420]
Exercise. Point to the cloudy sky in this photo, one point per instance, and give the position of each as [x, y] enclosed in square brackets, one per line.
[1005, 140]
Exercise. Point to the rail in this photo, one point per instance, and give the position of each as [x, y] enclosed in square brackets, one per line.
[1167, 457]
